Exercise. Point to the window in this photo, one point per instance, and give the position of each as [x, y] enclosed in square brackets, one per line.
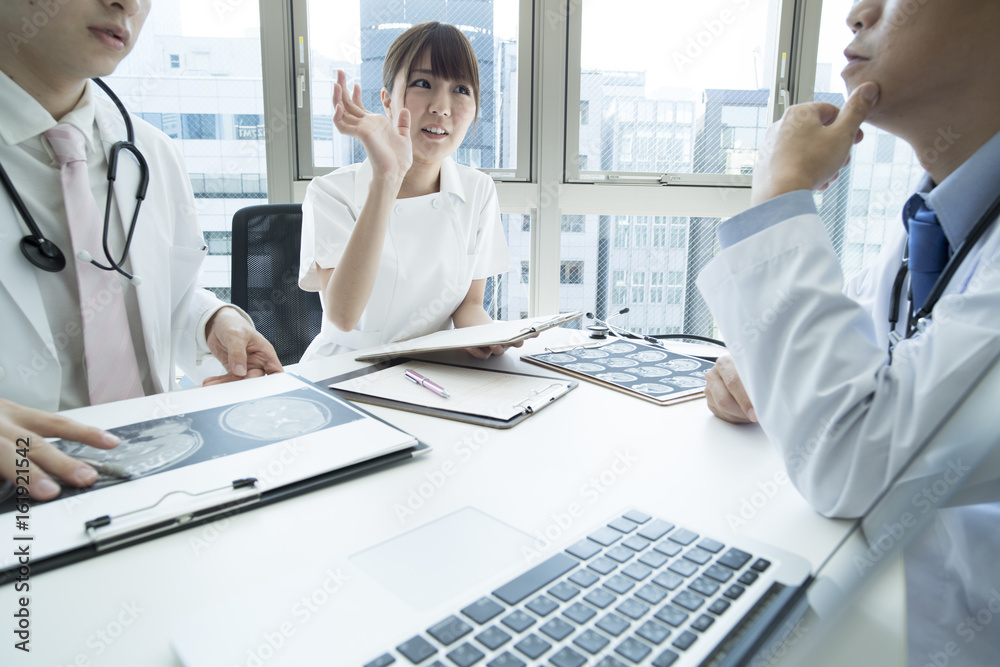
[584, 112]
[157, 82]
[619, 293]
[248, 126]
[639, 287]
[621, 231]
[573, 224]
[660, 231]
[583, 163]
[154, 119]
[571, 273]
[672, 99]
[524, 273]
[656, 287]
[678, 235]
[675, 287]
[860, 201]
[525, 223]
[198, 126]
[171, 125]
[885, 148]
[641, 239]
[353, 35]
[219, 243]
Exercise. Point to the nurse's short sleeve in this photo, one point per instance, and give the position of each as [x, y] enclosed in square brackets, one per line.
[328, 218]
[493, 256]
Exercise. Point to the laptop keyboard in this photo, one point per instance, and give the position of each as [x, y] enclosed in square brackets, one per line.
[638, 590]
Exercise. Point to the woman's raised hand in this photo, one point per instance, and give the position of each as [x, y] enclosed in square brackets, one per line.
[388, 144]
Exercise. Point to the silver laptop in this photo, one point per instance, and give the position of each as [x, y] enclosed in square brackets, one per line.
[633, 589]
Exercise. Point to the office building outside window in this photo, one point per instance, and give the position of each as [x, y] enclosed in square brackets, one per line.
[195, 74]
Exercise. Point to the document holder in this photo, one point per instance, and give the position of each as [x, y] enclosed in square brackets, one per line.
[341, 441]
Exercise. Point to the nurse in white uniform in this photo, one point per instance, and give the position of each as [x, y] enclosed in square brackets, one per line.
[401, 245]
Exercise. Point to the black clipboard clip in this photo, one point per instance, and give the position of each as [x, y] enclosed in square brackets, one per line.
[108, 532]
[578, 346]
[543, 397]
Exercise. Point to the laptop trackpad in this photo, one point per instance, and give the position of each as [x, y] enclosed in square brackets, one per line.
[439, 560]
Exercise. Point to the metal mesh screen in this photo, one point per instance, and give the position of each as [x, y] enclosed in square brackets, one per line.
[354, 36]
[265, 278]
[683, 91]
[195, 74]
[863, 205]
[699, 105]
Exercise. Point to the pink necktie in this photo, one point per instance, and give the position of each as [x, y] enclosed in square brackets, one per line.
[112, 370]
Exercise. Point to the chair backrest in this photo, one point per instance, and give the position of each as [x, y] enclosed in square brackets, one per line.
[265, 274]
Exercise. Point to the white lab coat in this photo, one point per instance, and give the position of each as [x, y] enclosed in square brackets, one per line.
[813, 358]
[167, 252]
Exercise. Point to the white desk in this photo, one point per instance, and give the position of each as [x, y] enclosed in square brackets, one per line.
[678, 462]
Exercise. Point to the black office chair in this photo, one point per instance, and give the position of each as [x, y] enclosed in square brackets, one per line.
[265, 273]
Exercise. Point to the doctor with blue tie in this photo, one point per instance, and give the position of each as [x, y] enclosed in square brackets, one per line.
[847, 380]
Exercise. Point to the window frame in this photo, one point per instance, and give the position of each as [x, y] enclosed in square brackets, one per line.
[779, 99]
[547, 182]
[302, 110]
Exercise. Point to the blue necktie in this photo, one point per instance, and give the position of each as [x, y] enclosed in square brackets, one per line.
[928, 247]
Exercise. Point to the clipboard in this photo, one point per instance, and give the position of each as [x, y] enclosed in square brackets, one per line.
[383, 384]
[83, 531]
[638, 369]
[503, 332]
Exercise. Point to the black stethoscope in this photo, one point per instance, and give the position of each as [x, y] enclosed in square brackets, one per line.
[947, 273]
[42, 252]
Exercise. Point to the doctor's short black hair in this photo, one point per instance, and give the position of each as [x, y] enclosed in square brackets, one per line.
[452, 56]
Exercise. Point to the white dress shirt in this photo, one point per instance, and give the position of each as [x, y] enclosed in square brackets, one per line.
[42, 361]
[34, 171]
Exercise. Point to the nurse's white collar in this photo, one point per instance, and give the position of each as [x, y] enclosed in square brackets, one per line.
[451, 182]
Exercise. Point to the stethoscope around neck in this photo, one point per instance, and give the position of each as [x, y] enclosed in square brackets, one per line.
[45, 254]
[947, 273]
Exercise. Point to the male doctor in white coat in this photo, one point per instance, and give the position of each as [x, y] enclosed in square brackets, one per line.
[810, 357]
[49, 52]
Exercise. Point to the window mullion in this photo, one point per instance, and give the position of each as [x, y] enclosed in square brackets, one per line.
[550, 91]
[275, 46]
[805, 41]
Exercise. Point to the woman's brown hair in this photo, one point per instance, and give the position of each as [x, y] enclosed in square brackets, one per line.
[452, 56]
